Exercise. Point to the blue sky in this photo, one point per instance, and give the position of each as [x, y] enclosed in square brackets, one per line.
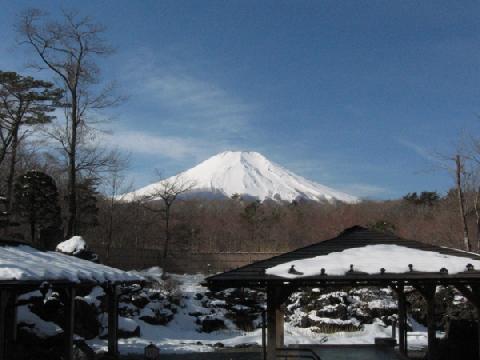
[357, 95]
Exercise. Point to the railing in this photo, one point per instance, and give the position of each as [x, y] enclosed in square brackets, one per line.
[296, 353]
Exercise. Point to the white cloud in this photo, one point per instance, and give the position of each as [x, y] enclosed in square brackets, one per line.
[419, 150]
[187, 101]
[139, 142]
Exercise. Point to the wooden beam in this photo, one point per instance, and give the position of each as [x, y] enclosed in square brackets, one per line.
[112, 293]
[69, 321]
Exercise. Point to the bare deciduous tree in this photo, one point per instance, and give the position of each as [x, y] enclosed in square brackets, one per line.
[115, 186]
[459, 174]
[168, 192]
[70, 49]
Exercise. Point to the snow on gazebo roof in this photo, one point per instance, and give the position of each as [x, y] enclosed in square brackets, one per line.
[19, 262]
[359, 254]
[374, 259]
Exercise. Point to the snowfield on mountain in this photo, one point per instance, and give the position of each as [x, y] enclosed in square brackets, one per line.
[247, 174]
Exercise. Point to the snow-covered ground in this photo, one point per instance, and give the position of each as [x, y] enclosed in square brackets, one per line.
[182, 333]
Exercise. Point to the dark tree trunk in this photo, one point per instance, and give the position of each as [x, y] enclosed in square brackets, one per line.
[11, 170]
[33, 230]
[72, 171]
[461, 203]
[110, 228]
[167, 232]
[477, 216]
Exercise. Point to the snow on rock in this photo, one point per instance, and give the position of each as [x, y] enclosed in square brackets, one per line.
[93, 297]
[33, 323]
[126, 324]
[371, 258]
[26, 263]
[250, 174]
[128, 327]
[72, 246]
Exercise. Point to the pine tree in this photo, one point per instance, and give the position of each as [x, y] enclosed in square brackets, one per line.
[36, 201]
[24, 101]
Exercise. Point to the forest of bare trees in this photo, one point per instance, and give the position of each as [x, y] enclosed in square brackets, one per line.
[233, 225]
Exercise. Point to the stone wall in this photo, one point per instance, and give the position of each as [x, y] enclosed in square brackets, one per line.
[132, 258]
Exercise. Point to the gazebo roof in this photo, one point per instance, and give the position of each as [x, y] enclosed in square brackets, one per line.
[21, 264]
[358, 255]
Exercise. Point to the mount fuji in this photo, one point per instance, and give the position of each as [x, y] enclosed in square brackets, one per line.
[248, 174]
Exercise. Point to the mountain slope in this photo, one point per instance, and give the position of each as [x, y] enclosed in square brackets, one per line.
[251, 174]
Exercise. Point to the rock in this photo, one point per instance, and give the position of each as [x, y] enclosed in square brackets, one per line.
[242, 319]
[82, 351]
[196, 313]
[156, 317]
[209, 324]
[198, 296]
[218, 345]
[140, 301]
[86, 319]
[50, 310]
[127, 328]
[338, 311]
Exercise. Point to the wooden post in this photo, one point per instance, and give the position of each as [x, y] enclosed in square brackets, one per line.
[11, 321]
[271, 323]
[276, 295]
[473, 295]
[112, 293]
[69, 322]
[14, 297]
[280, 322]
[264, 334]
[431, 327]
[402, 319]
[3, 321]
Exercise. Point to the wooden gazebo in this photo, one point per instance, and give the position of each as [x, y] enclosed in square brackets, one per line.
[279, 278]
[24, 269]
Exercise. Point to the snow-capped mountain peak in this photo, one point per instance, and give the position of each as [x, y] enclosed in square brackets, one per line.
[247, 173]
